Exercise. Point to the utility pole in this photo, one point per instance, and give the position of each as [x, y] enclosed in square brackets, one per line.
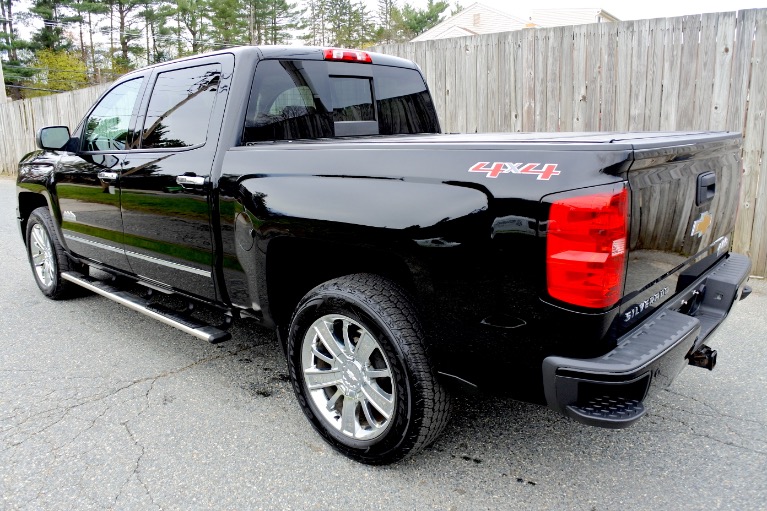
[3, 97]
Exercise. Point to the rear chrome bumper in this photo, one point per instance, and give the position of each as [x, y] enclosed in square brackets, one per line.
[609, 391]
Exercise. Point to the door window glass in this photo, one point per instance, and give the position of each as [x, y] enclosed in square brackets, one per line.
[107, 127]
[180, 107]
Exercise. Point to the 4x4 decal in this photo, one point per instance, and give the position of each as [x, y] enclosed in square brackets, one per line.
[497, 168]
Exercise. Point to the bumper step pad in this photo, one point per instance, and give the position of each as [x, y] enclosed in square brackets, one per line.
[606, 409]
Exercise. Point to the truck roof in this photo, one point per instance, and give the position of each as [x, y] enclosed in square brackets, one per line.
[286, 52]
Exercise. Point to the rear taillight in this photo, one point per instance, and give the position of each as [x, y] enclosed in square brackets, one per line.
[586, 248]
[347, 55]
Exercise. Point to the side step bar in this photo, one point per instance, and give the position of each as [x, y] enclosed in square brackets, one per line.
[169, 317]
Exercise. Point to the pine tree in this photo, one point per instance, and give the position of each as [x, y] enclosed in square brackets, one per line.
[283, 19]
[55, 20]
[315, 21]
[228, 24]
[386, 13]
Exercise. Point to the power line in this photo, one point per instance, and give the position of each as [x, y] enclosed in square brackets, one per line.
[58, 70]
[34, 88]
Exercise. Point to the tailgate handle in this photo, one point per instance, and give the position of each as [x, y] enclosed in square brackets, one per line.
[706, 188]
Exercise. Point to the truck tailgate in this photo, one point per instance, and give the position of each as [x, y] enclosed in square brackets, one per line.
[684, 197]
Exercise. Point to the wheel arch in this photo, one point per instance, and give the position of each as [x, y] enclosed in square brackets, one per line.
[28, 202]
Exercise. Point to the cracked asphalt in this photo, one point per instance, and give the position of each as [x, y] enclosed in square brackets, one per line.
[102, 408]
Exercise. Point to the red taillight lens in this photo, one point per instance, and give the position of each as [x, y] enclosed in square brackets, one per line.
[586, 248]
[347, 55]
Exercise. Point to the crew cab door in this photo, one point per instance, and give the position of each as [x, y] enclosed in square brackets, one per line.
[87, 182]
[165, 181]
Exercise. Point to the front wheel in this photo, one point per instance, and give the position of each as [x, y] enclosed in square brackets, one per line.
[361, 371]
[47, 256]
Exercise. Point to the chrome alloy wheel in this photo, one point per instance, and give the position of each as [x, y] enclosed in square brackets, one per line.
[42, 255]
[348, 377]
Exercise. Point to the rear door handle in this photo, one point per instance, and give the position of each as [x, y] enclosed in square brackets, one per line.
[190, 180]
[108, 176]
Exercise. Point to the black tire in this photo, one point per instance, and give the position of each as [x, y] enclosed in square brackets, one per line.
[47, 269]
[420, 406]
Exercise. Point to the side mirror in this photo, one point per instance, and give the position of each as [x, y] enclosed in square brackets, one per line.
[53, 137]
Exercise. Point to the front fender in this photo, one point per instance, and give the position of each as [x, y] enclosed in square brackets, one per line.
[34, 184]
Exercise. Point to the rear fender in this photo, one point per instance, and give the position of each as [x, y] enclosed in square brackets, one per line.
[336, 226]
[391, 204]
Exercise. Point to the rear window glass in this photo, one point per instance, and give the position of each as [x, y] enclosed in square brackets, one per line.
[352, 99]
[297, 99]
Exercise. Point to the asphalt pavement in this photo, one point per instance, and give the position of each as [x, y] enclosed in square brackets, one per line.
[103, 408]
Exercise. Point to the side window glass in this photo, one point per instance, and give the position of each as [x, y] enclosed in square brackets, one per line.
[286, 102]
[180, 107]
[107, 127]
[404, 105]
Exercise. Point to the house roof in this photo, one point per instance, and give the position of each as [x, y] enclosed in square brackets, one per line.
[474, 19]
[569, 16]
[481, 19]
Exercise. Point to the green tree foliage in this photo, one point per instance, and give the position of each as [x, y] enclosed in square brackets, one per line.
[228, 25]
[54, 21]
[57, 71]
[343, 23]
[413, 22]
[283, 19]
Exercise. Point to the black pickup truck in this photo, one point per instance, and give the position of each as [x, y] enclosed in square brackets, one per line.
[311, 189]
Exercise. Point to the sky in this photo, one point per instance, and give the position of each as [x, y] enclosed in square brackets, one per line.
[622, 9]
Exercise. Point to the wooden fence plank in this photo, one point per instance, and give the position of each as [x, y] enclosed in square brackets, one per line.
[607, 63]
[452, 94]
[528, 82]
[566, 90]
[637, 105]
[539, 78]
[704, 89]
[593, 99]
[553, 80]
[493, 101]
[688, 72]
[517, 79]
[725, 39]
[623, 84]
[579, 77]
[654, 85]
[671, 73]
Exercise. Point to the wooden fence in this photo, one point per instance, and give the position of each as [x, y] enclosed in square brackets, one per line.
[20, 120]
[702, 72]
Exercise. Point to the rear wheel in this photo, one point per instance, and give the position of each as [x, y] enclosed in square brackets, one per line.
[361, 371]
[46, 255]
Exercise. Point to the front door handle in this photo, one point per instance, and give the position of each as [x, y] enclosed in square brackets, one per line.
[190, 180]
[108, 176]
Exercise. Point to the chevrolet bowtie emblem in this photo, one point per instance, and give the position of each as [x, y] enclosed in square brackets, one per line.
[701, 225]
